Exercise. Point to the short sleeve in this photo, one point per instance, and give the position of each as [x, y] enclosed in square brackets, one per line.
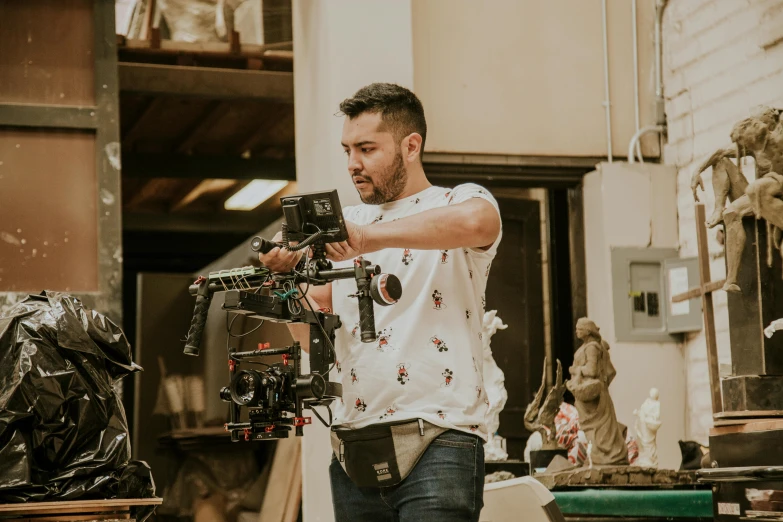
[466, 191]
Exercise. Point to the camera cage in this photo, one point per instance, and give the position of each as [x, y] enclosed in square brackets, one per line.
[312, 219]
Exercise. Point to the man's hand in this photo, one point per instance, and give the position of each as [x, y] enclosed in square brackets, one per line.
[350, 249]
[280, 259]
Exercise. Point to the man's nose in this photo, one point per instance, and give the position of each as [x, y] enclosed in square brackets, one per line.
[354, 164]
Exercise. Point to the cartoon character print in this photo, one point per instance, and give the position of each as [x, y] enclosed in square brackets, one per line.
[391, 410]
[470, 273]
[407, 257]
[439, 343]
[355, 330]
[378, 219]
[448, 377]
[417, 201]
[437, 300]
[444, 257]
[360, 404]
[338, 366]
[465, 251]
[478, 392]
[474, 427]
[441, 414]
[384, 340]
[467, 314]
[483, 302]
[475, 367]
[402, 373]
[486, 273]
[354, 378]
[481, 336]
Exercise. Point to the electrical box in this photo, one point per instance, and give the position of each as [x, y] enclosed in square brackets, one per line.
[643, 281]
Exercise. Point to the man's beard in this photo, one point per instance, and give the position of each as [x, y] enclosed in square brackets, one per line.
[389, 184]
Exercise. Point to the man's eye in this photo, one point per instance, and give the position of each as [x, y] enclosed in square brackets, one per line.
[346, 152]
[366, 150]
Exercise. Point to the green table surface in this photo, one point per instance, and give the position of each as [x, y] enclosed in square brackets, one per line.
[636, 503]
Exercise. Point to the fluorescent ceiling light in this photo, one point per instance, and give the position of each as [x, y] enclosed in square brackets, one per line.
[254, 193]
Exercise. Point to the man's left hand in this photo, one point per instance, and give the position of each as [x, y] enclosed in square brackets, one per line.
[350, 249]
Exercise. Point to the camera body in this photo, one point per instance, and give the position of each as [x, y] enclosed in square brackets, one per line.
[276, 396]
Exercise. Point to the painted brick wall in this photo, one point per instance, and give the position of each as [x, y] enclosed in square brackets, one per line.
[721, 60]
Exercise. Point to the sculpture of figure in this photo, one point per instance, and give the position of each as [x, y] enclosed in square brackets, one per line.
[591, 375]
[648, 420]
[760, 137]
[590, 454]
[494, 387]
[541, 417]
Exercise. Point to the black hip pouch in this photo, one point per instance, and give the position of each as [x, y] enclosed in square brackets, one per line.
[383, 455]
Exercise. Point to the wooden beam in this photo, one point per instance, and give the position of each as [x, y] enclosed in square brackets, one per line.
[238, 222]
[205, 187]
[266, 127]
[206, 82]
[693, 293]
[709, 312]
[50, 116]
[149, 111]
[207, 121]
[203, 48]
[202, 167]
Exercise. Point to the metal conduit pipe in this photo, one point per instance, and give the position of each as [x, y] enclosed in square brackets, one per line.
[660, 115]
[607, 103]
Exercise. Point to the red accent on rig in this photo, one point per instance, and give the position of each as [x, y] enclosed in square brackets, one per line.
[285, 359]
[269, 429]
[264, 346]
[232, 364]
[247, 433]
[268, 283]
[301, 421]
[199, 279]
[357, 261]
[326, 310]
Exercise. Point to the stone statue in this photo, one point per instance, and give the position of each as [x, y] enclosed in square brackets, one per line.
[494, 386]
[591, 375]
[541, 417]
[760, 137]
[648, 420]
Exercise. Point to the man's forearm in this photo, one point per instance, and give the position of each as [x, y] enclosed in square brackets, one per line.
[471, 224]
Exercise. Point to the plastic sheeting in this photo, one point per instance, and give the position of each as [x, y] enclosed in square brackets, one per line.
[63, 431]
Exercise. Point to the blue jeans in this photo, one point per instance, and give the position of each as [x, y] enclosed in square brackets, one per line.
[447, 484]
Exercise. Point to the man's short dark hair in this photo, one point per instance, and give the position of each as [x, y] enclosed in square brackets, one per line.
[401, 111]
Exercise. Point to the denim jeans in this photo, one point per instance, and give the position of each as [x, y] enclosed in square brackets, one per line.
[447, 484]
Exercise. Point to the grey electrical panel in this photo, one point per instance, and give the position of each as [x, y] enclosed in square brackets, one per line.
[642, 286]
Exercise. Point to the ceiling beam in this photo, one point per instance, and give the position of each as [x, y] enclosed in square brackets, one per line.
[208, 119]
[214, 222]
[136, 165]
[206, 82]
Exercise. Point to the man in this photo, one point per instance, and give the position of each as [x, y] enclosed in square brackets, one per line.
[405, 225]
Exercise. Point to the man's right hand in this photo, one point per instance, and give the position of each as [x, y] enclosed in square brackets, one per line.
[280, 259]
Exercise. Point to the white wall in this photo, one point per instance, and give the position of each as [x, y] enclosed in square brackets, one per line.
[634, 206]
[341, 46]
[721, 60]
[527, 77]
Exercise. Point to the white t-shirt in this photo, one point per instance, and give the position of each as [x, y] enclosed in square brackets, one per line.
[427, 361]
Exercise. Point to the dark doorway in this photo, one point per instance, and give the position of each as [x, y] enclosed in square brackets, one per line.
[515, 290]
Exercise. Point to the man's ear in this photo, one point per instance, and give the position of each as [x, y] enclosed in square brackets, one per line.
[411, 146]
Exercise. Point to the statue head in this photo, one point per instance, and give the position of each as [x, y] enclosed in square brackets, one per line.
[585, 328]
[654, 394]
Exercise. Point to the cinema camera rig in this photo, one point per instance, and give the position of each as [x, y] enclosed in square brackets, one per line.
[311, 220]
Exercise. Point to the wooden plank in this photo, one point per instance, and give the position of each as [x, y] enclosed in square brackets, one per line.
[709, 312]
[576, 237]
[209, 118]
[748, 426]
[65, 506]
[205, 187]
[136, 129]
[49, 116]
[696, 292]
[201, 167]
[748, 414]
[205, 82]
[203, 48]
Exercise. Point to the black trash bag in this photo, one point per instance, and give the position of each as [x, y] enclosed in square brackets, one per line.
[63, 431]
